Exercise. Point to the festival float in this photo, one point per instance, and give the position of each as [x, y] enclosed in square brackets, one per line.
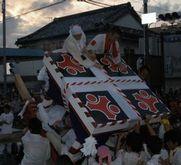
[100, 101]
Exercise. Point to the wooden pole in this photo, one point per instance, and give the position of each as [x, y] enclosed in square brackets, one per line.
[21, 87]
[4, 45]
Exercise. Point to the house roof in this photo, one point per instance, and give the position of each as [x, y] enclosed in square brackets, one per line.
[89, 21]
[175, 29]
[15, 52]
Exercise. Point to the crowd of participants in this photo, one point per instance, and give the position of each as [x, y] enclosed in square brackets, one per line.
[48, 135]
[49, 138]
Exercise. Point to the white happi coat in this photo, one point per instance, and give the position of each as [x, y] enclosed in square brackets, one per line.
[50, 115]
[155, 160]
[74, 47]
[128, 158]
[36, 149]
[43, 76]
[6, 128]
[175, 156]
[97, 45]
[8, 118]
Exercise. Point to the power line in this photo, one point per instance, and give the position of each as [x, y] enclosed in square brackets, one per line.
[108, 5]
[92, 2]
[37, 9]
[95, 4]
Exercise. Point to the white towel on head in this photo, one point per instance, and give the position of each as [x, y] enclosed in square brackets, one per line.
[75, 29]
[75, 47]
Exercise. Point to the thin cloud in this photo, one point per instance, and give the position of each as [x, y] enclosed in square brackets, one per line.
[23, 25]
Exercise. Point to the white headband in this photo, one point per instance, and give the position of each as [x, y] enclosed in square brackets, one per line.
[75, 29]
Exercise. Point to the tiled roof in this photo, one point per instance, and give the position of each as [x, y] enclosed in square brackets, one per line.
[88, 20]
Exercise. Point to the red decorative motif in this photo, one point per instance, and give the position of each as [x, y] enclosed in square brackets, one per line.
[146, 101]
[71, 65]
[93, 42]
[102, 104]
[115, 67]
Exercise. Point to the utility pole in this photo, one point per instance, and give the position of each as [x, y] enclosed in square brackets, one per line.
[146, 38]
[4, 44]
[163, 58]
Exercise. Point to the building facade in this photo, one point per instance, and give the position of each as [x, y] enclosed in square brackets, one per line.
[171, 49]
[52, 35]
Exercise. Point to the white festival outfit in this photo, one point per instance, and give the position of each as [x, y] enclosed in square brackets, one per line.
[75, 47]
[128, 158]
[155, 159]
[99, 45]
[36, 149]
[43, 76]
[175, 156]
[8, 118]
[48, 113]
[6, 128]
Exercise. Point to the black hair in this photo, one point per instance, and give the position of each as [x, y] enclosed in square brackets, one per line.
[135, 142]
[35, 126]
[144, 131]
[154, 145]
[173, 136]
[7, 106]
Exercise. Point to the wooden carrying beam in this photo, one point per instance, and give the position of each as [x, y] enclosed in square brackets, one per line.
[21, 87]
[11, 138]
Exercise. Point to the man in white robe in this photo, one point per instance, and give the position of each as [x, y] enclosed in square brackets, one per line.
[36, 147]
[133, 154]
[75, 44]
[172, 139]
[6, 123]
[49, 113]
[43, 76]
[154, 146]
[108, 44]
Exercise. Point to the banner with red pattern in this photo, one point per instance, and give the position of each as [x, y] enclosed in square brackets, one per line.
[104, 100]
